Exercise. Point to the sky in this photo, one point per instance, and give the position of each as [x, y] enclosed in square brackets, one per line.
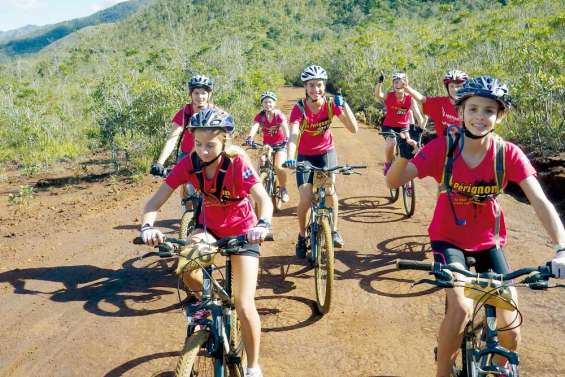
[17, 13]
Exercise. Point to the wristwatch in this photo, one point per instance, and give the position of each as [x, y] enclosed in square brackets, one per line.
[264, 223]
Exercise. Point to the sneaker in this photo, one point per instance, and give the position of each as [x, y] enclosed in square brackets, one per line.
[387, 167]
[254, 372]
[284, 195]
[338, 241]
[301, 247]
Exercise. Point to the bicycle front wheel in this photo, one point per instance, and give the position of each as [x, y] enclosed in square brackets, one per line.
[409, 198]
[324, 266]
[465, 364]
[276, 196]
[194, 359]
[187, 224]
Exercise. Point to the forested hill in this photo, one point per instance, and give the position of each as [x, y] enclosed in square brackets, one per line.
[39, 37]
[117, 85]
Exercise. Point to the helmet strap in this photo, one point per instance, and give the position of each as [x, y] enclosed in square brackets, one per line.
[204, 164]
[471, 136]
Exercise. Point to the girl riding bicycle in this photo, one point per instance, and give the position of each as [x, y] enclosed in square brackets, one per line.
[310, 133]
[399, 107]
[225, 178]
[442, 108]
[472, 167]
[275, 134]
[200, 91]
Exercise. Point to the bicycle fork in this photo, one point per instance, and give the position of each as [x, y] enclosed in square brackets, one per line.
[484, 358]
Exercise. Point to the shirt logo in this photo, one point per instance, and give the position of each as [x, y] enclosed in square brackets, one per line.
[248, 173]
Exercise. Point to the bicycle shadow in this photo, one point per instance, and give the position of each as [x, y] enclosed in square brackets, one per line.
[377, 273]
[171, 224]
[128, 366]
[139, 288]
[369, 210]
[280, 311]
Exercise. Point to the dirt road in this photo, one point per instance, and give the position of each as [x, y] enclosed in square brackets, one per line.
[75, 301]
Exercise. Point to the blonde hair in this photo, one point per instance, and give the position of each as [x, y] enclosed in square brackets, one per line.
[230, 150]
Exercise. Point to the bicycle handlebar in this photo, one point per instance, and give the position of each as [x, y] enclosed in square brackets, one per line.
[306, 166]
[536, 279]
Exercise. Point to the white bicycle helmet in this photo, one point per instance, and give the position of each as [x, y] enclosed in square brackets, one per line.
[398, 76]
[313, 72]
[455, 75]
[268, 94]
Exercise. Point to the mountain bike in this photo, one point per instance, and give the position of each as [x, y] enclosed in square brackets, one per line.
[489, 291]
[408, 189]
[213, 345]
[268, 174]
[319, 228]
[191, 205]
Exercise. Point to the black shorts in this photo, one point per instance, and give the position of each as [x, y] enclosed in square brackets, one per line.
[489, 259]
[387, 129]
[251, 250]
[278, 147]
[326, 160]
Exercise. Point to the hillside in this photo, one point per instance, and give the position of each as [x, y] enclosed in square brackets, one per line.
[6, 36]
[35, 38]
[116, 85]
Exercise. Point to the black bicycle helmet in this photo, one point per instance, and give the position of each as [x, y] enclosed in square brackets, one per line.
[484, 86]
[212, 118]
[200, 81]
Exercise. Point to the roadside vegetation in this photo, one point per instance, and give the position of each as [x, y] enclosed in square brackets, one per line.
[116, 86]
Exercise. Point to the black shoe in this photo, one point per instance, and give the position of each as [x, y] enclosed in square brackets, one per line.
[338, 241]
[301, 247]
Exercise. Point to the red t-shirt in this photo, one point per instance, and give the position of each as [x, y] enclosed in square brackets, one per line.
[231, 218]
[443, 113]
[316, 139]
[182, 119]
[272, 131]
[478, 232]
[397, 111]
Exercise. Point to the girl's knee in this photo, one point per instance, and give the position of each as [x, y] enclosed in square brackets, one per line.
[245, 308]
[458, 312]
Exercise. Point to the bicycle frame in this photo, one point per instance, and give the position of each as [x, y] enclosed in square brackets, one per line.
[217, 300]
[322, 181]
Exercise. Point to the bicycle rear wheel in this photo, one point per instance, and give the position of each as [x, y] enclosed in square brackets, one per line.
[409, 198]
[324, 266]
[394, 194]
[194, 360]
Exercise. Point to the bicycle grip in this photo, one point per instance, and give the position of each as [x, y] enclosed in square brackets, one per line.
[358, 166]
[138, 241]
[403, 264]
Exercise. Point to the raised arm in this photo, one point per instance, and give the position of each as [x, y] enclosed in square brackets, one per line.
[418, 114]
[414, 93]
[170, 144]
[348, 119]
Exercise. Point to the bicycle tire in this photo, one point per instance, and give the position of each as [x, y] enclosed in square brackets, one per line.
[190, 363]
[276, 196]
[465, 365]
[409, 200]
[187, 223]
[236, 343]
[394, 194]
[324, 266]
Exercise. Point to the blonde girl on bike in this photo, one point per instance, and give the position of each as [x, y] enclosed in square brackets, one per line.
[226, 211]
[467, 220]
[311, 136]
[273, 123]
[399, 110]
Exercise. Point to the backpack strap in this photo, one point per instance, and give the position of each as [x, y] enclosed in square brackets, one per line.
[499, 163]
[446, 178]
[185, 119]
[198, 169]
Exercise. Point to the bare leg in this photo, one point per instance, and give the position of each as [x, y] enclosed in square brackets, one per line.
[303, 207]
[245, 270]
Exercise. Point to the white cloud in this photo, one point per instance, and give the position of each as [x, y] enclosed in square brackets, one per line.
[102, 4]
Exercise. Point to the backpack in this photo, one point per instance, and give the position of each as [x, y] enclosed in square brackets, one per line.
[198, 169]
